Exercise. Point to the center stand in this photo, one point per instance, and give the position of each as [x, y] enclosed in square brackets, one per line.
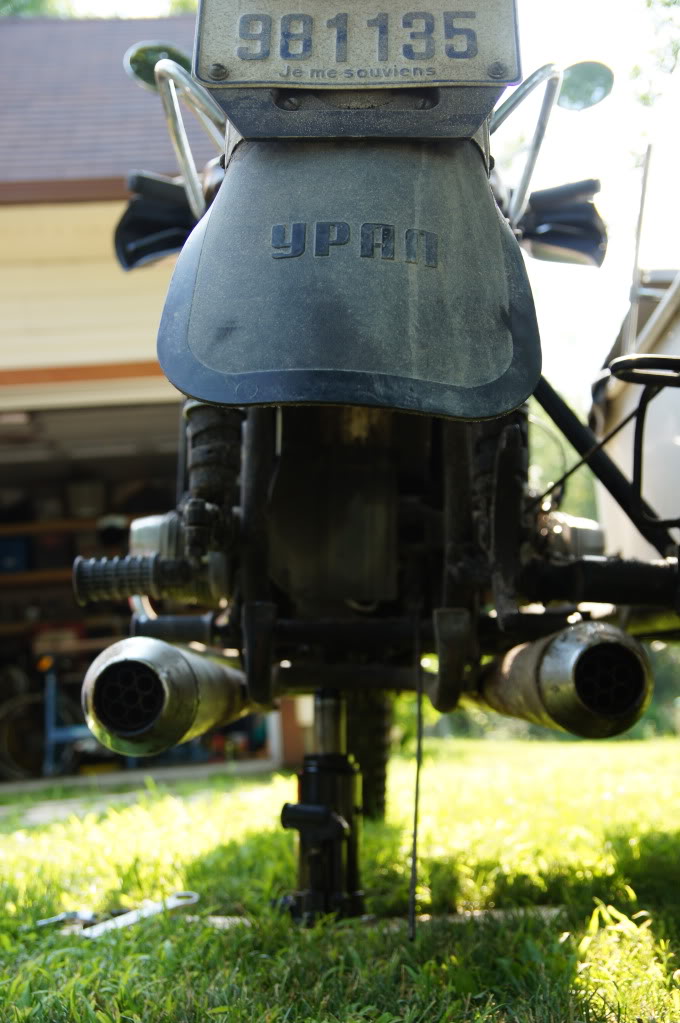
[327, 817]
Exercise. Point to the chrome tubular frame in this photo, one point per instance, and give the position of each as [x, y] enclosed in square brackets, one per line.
[174, 83]
[552, 76]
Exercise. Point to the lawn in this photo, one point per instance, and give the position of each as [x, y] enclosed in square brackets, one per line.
[591, 828]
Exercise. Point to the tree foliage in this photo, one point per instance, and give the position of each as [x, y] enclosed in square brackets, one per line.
[34, 8]
[665, 58]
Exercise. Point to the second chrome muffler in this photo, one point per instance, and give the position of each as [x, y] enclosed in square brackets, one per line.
[142, 696]
[591, 680]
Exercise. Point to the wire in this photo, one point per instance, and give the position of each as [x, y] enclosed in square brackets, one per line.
[588, 455]
[554, 435]
[556, 438]
[416, 802]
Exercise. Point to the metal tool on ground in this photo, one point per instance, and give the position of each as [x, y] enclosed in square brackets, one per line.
[86, 923]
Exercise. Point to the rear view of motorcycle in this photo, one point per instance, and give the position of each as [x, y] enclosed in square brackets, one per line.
[351, 322]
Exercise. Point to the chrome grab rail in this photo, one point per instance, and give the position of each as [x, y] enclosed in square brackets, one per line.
[174, 83]
[552, 76]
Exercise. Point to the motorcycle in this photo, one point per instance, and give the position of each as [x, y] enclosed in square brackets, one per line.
[352, 325]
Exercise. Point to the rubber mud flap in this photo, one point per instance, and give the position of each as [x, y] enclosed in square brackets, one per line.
[376, 273]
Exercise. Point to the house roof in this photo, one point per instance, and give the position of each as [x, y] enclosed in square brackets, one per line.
[73, 124]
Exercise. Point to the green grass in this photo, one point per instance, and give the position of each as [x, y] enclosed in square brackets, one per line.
[589, 827]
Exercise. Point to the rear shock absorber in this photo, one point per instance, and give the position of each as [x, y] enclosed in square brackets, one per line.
[214, 453]
[213, 438]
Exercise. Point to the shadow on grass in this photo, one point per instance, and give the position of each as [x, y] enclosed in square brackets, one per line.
[643, 869]
[515, 969]
[251, 874]
[244, 876]
[518, 967]
[641, 872]
[500, 970]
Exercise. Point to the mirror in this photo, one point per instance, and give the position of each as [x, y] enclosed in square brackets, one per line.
[585, 84]
[141, 59]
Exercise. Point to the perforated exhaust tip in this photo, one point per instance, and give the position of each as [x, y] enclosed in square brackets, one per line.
[610, 679]
[595, 680]
[590, 679]
[128, 697]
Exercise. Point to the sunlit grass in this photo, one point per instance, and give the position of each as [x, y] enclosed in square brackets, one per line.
[504, 825]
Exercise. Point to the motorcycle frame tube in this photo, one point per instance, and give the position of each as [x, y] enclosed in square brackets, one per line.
[259, 441]
[173, 81]
[592, 579]
[610, 476]
[602, 580]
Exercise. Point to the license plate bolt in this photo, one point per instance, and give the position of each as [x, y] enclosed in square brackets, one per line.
[497, 69]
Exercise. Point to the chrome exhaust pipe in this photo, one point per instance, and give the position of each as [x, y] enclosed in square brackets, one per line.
[142, 696]
[592, 680]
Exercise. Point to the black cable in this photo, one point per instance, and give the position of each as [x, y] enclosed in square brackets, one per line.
[609, 475]
[584, 461]
[412, 918]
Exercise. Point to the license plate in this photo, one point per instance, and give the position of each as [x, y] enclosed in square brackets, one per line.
[346, 44]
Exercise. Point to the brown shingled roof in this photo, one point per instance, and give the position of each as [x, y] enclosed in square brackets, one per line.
[72, 123]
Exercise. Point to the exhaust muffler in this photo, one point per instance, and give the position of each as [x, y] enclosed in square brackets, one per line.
[591, 680]
[142, 696]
